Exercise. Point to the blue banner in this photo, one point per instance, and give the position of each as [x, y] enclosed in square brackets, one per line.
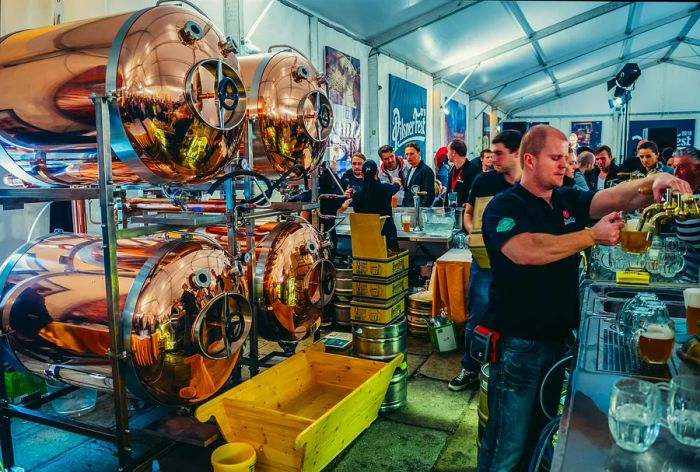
[455, 121]
[408, 114]
[639, 129]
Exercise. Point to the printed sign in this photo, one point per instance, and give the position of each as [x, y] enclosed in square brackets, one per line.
[455, 121]
[587, 133]
[408, 114]
[343, 75]
[639, 129]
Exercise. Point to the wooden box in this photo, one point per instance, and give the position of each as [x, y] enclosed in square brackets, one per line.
[301, 413]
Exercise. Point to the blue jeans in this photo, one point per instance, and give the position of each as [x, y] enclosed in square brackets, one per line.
[477, 304]
[515, 416]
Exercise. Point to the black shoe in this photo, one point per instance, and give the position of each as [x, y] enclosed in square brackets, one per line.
[464, 380]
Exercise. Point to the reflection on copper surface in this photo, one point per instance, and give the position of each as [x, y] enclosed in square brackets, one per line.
[54, 310]
[292, 283]
[294, 114]
[48, 75]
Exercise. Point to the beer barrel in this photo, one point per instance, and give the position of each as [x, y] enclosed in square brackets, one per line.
[380, 342]
[398, 388]
[418, 313]
[342, 313]
[483, 410]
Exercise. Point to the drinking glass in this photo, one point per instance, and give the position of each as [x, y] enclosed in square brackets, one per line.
[656, 337]
[683, 413]
[634, 415]
[632, 240]
[691, 296]
[406, 223]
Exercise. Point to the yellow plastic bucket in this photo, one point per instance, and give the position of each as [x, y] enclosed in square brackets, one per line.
[234, 457]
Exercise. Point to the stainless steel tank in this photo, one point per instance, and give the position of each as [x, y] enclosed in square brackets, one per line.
[178, 112]
[292, 114]
[184, 315]
[294, 279]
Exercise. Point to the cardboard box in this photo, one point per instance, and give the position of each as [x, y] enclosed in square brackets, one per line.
[395, 263]
[381, 289]
[379, 312]
[366, 236]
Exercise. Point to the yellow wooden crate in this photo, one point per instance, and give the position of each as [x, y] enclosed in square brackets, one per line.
[382, 312]
[389, 267]
[382, 289]
[301, 413]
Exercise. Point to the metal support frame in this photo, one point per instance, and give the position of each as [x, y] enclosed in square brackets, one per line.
[632, 19]
[684, 32]
[554, 62]
[692, 41]
[686, 64]
[120, 434]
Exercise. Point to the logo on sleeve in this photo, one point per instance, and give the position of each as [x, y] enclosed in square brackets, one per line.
[506, 224]
[568, 219]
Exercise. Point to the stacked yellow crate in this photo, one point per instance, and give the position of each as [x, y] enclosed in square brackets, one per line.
[379, 288]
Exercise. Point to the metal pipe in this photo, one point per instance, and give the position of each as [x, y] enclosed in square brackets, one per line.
[109, 253]
[79, 216]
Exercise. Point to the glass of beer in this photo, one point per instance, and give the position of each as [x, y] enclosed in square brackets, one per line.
[394, 201]
[632, 240]
[692, 309]
[406, 222]
[656, 339]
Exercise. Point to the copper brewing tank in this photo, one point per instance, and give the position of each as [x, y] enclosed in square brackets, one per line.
[292, 115]
[295, 279]
[179, 107]
[184, 314]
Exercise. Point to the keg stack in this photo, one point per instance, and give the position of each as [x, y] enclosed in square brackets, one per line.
[342, 297]
[377, 311]
[419, 308]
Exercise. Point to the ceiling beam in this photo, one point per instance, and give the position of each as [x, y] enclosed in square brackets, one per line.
[684, 32]
[692, 41]
[592, 70]
[575, 55]
[632, 19]
[689, 65]
[537, 35]
[580, 88]
[420, 21]
[517, 14]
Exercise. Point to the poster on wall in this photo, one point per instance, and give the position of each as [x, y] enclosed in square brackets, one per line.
[408, 114]
[486, 131]
[343, 76]
[587, 132]
[455, 121]
[661, 131]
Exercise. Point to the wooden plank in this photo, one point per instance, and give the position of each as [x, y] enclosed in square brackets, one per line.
[317, 400]
[350, 373]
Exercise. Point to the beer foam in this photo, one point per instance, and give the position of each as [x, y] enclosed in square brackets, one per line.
[631, 225]
[658, 331]
[692, 297]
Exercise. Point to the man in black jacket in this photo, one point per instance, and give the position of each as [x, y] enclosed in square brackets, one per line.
[462, 173]
[418, 174]
[605, 170]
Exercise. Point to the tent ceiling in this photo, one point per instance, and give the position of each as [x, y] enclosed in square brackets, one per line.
[525, 52]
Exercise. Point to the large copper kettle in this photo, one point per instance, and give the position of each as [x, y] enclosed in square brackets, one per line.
[292, 115]
[185, 315]
[178, 114]
[294, 279]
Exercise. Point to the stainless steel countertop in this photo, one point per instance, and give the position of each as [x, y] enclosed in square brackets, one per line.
[584, 441]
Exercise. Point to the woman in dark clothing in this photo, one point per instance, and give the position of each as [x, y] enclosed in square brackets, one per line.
[375, 197]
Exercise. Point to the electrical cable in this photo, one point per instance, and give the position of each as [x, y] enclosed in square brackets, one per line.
[36, 220]
[546, 435]
[544, 382]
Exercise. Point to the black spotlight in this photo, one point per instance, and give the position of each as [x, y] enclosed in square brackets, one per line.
[625, 78]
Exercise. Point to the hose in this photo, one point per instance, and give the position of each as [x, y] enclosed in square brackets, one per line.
[544, 382]
[547, 433]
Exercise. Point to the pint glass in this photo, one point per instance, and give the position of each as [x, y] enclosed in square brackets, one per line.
[691, 297]
[632, 240]
[656, 340]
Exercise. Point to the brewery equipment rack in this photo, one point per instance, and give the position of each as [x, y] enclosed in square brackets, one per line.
[105, 191]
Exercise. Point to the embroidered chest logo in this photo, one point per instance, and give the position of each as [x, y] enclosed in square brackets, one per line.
[568, 219]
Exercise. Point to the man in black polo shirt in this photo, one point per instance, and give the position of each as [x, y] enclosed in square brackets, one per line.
[533, 234]
[506, 163]
[462, 173]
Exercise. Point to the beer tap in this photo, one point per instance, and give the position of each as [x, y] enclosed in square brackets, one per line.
[417, 193]
[677, 206]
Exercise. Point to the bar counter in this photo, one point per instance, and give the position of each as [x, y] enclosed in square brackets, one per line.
[584, 440]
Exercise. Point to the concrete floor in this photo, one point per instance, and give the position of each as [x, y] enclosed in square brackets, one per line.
[435, 431]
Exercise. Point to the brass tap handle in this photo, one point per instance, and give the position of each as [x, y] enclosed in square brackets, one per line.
[645, 190]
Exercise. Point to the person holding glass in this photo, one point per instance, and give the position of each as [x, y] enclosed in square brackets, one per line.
[534, 233]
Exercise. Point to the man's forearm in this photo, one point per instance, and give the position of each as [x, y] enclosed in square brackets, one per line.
[622, 197]
[542, 248]
[468, 222]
